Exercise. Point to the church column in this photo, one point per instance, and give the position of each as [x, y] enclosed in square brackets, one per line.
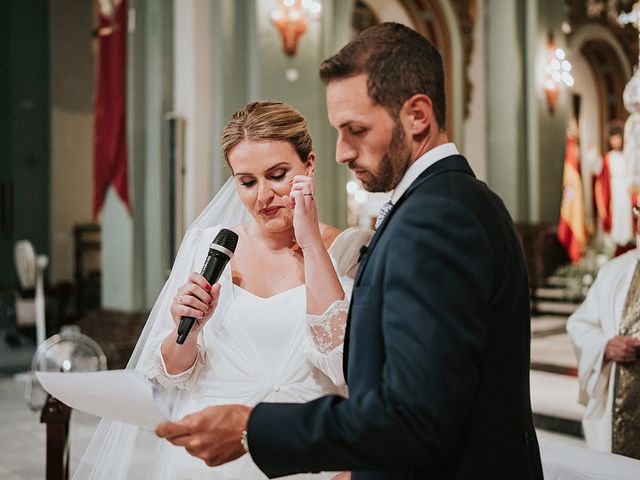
[133, 243]
[551, 127]
[122, 262]
[506, 167]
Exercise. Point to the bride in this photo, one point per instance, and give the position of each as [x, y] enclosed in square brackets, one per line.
[270, 330]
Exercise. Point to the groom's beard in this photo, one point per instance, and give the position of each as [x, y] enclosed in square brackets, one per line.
[393, 164]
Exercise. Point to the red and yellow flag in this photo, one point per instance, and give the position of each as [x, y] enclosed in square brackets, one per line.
[571, 229]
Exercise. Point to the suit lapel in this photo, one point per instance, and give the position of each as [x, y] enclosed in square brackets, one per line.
[453, 163]
[447, 164]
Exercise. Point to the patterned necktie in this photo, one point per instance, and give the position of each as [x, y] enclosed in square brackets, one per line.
[625, 438]
[384, 211]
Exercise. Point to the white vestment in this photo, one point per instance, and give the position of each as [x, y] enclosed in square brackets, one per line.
[621, 216]
[590, 327]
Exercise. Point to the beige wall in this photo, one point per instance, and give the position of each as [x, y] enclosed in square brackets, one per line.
[71, 128]
[475, 138]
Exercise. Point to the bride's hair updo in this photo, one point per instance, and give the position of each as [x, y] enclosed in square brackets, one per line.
[275, 121]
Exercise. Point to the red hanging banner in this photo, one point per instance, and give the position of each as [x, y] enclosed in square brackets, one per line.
[110, 133]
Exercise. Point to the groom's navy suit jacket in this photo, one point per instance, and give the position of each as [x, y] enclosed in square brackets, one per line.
[436, 354]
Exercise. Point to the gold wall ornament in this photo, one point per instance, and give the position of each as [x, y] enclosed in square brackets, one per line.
[605, 13]
[430, 18]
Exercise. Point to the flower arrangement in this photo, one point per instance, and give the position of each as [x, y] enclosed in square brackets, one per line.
[578, 277]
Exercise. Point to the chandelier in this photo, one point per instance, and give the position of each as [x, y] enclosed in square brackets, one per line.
[557, 72]
[291, 18]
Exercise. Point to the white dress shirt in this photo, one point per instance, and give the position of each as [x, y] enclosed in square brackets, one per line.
[420, 165]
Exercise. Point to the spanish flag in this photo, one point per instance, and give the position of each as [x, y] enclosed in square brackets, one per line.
[571, 229]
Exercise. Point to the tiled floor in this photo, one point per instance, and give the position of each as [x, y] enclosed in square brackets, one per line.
[22, 456]
[553, 394]
[554, 349]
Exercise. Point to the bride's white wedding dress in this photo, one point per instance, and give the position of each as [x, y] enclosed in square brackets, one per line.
[251, 350]
[257, 349]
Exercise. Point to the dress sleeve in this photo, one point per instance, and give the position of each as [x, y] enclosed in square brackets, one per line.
[156, 370]
[324, 345]
[152, 364]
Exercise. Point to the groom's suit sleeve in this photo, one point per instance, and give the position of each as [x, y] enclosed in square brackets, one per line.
[433, 290]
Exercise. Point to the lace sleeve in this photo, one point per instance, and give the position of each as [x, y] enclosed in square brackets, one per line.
[327, 329]
[325, 341]
[156, 370]
[324, 345]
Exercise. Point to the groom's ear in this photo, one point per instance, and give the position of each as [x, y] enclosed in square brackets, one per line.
[311, 164]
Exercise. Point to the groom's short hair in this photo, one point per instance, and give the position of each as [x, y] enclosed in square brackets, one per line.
[399, 63]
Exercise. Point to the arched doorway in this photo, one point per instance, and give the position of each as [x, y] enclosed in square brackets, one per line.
[610, 77]
[602, 70]
[448, 26]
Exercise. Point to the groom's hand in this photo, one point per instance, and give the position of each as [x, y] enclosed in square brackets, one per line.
[342, 476]
[213, 434]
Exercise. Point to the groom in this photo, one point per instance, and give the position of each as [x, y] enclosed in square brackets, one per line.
[437, 347]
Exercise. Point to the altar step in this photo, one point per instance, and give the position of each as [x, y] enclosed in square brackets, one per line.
[554, 385]
[554, 369]
[552, 299]
[554, 403]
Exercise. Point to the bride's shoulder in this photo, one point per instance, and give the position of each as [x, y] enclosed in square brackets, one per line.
[346, 249]
[345, 242]
[329, 234]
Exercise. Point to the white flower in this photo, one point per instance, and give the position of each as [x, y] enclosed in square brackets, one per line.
[601, 259]
[587, 279]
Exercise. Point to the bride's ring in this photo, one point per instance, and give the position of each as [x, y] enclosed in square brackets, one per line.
[307, 194]
[180, 299]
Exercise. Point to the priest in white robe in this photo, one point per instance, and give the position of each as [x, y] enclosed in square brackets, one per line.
[618, 206]
[604, 332]
[621, 200]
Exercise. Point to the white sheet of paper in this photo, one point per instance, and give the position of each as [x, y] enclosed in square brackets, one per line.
[123, 395]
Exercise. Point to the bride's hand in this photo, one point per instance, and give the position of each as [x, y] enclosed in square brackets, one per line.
[305, 215]
[197, 299]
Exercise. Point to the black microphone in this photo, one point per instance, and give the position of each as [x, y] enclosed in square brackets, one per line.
[220, 252]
